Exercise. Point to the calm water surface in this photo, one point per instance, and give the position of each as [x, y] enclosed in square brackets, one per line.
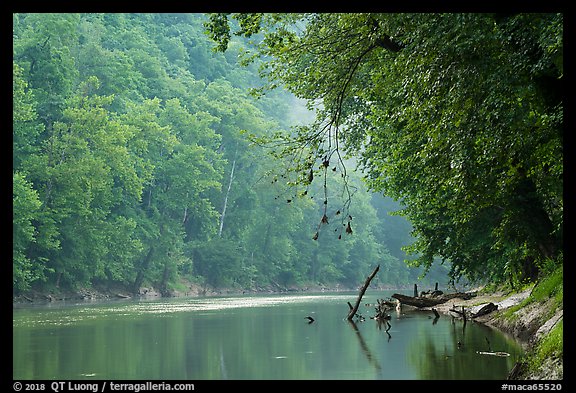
[250, 337]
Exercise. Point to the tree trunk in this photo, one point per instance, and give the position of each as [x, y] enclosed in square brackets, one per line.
[165, 276]
[185, 218]
[224, 207]
[143, 267]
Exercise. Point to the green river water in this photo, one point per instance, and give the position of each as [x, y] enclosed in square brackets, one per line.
[250, 338]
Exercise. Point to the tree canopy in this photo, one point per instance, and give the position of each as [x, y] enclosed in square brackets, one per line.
[457, 115]
[133, 164]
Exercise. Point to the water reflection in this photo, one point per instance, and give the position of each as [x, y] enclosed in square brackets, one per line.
[249, 338]
[371, 358]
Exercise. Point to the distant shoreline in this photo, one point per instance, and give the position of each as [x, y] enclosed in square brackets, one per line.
[92, 295]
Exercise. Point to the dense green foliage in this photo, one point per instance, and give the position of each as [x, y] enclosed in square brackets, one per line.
[459, 116]
[132, 164]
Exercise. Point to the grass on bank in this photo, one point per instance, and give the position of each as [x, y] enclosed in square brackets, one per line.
[549, 287]
[551, 346]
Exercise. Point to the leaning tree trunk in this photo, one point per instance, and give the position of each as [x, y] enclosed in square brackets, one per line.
[225, 206]
[354, 309]
[230, 180]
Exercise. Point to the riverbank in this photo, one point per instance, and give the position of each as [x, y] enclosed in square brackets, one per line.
[185, 288]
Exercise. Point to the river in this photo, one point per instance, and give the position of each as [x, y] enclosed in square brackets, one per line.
[262, 337]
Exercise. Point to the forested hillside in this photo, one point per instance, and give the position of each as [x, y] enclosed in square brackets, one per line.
[134, 164]
[458, 115]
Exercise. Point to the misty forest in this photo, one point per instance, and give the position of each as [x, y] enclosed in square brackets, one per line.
[259, 151]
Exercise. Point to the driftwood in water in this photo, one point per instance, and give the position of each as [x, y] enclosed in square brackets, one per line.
[499, 353]
[425, 301]
[436, 316]
[384, 322]
[461, 313]
[381, 309]
[362, 291]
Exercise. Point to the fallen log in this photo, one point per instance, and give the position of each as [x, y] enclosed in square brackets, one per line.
[487, 309]
[418, 301]
[498, 353]
[424, 301]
